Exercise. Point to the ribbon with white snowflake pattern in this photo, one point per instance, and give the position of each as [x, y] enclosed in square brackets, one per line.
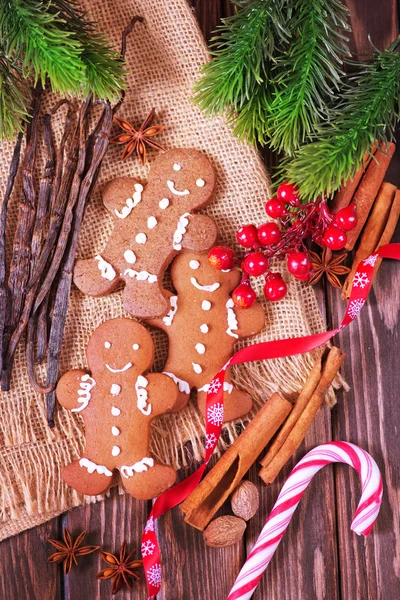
[215, 405]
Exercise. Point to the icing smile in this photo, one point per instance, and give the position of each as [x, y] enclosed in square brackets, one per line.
[171, 187]
[204, 288]
[125, 368]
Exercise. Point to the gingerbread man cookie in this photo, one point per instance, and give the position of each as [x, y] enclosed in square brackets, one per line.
[152, 224]
[118, 403]
[202, 326]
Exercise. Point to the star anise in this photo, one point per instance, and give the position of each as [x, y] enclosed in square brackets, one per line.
[69, 550]
[330, 265]
[137, 139]
[120, 569]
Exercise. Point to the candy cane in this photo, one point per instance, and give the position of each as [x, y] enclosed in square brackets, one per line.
[290, 496]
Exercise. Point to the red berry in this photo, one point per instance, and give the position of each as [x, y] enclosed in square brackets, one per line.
[298, 263]
[275, 208]
[275, 288]
[305, 277]
[221, 257]
[269, 234]
[346, 218]
[289, 193]
[247, 236]
[244, 296]
[334, 238]
[255, 264]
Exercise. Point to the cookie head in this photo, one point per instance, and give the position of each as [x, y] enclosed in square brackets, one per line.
[120, 346]
[192, 273]
[185, 177]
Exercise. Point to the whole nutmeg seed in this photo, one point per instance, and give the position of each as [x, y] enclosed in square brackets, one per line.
[224, 531]
[245, 500]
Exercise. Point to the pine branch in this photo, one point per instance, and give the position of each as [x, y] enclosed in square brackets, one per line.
[242, 51]
[308, 74]
[369, 111]
[14, 98]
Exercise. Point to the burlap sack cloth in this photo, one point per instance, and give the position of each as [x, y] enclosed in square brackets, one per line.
[164, 57]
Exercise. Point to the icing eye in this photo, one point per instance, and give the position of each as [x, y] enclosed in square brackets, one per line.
[194, 264]
[135, 346]
[177, 167]
[107, 345]
[200, 183]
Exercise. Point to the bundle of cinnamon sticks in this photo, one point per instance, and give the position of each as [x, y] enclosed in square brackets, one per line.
[288, 420]
[378, 208]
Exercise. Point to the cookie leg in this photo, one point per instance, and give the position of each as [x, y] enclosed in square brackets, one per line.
[93, 278]
[150, 483]
[181, 402]
[84, 482]
[145, 300]
[236, 403]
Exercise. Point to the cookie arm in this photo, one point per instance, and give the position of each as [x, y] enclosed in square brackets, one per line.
[95, 277]
[250, 320]
[164, 323]
[72, 391]
[162, 393]
[201, 234]
[121, 195]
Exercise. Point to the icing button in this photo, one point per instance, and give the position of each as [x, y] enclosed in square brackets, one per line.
[115, 411]
[130, 257]
[141, 238]
[164, 203]
[115, 389]
[151, 222]
[115, 450]
[206, 305]
[115, 431]
[200, 348]
[197, 368]
[204, 328]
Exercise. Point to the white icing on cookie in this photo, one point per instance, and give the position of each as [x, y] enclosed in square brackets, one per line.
[180, 231]
[200, 348]
[140, 275]
[86, 384]
[200, 183]
[172, 189]
[138, 467]
[181, 383]
[232, 320]
[194, 264]
[107, 345]
[115, 450]
[204, 328]
[177, 167]
[151, 222]
[141, 238]
[204, 288]
[92, 467]
[115, 431]
[142, 395]
[106, 269]
[115, 389]
[197, 368]
[115, 411]
[164, 203]
[169, 317]
[130, 257]
[206, 305]
[131, 202]
[125, 368]
[135, 346]
[228, 387]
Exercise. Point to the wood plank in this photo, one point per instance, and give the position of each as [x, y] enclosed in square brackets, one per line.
[379, 20]
[25, 571]
[109, 522]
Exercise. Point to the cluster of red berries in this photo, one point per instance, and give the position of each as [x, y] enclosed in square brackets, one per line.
[286, 239]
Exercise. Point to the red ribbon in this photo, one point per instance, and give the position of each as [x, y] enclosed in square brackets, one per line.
[215, 404]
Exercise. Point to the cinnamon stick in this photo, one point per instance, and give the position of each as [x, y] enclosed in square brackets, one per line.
[298, 408]
[345, 195]
[389, 228]
[368, 189]
[372, 232]
[329, 371]
[202, 504]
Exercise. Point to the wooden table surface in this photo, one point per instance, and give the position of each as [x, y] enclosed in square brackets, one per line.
[319, 558]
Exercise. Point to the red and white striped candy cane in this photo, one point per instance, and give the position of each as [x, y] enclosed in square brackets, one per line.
[290, 496]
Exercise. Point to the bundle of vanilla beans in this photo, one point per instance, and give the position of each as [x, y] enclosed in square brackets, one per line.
[34, 299]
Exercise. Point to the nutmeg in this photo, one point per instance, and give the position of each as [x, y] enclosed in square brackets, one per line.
[224, 531]
[245, 500]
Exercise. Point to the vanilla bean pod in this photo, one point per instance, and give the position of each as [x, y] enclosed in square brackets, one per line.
[20, 262]
[39, 255]
[3, 220]
[64, 287]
